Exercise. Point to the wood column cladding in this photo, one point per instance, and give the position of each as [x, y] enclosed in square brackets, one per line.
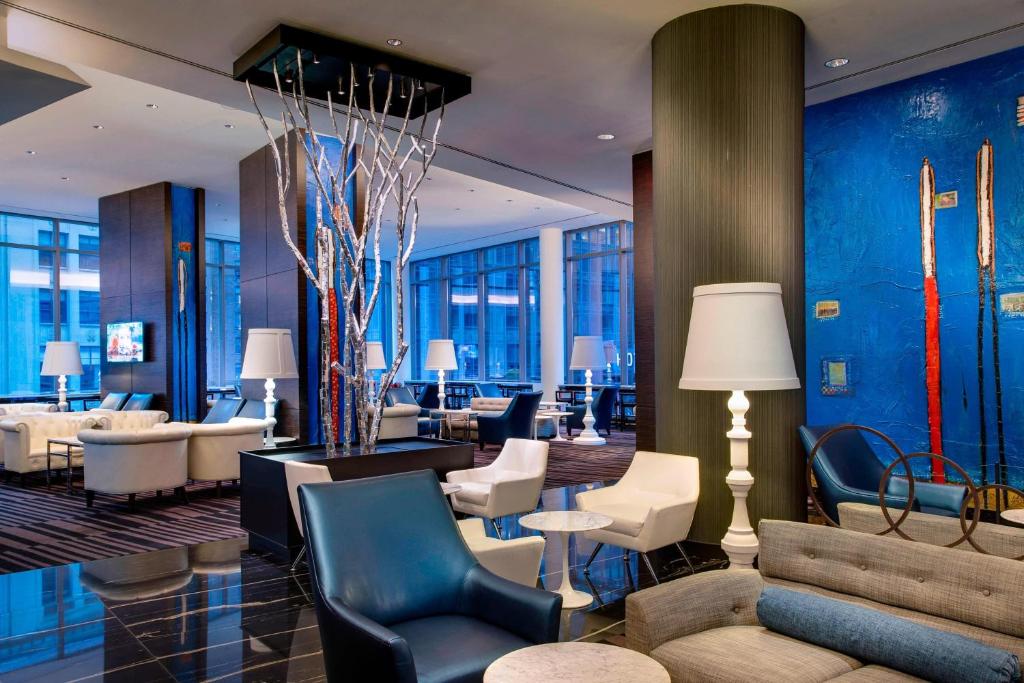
[138, 281]
[643, 300]
[728, 101]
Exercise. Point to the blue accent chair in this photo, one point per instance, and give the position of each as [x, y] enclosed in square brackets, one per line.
[425, 426]
[428, 399]
[517, 422]
[138, 402]
[113, 401]
[603, 408]
[223, 410]
[848, 471]
[399, 597]
[488, 390]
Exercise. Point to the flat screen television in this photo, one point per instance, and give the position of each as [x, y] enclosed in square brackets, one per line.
[124, 343]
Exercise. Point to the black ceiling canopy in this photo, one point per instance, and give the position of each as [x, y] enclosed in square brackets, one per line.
[326, 67]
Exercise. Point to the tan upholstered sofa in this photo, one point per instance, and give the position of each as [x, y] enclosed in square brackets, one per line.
[705, 627]
[996, 539]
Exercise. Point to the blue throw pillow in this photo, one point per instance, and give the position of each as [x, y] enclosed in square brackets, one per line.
[874, 637]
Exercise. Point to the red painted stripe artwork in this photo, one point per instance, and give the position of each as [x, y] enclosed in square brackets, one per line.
[933, 374]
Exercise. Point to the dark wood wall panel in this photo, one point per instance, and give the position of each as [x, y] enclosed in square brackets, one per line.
[644, 285]
[728, 207]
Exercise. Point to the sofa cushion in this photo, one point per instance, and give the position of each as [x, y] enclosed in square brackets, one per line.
[875, 637]
[876, 674]
[627, 518]
[738, 654]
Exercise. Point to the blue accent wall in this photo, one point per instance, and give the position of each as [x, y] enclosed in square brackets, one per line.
[863, 155]
[185, 357]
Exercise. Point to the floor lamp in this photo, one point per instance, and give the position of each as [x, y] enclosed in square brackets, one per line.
[61, 358]
[374, 361]
[587, 354]
[441, 357]
[738, 341]
[269, 355]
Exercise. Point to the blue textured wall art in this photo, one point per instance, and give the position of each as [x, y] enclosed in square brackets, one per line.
[864, 175]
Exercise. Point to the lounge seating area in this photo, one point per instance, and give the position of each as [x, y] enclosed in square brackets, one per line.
[482, 342]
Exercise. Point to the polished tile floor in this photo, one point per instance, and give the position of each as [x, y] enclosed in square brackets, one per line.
[219, 612]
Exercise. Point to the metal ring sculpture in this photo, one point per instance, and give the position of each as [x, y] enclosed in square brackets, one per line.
[904, 459]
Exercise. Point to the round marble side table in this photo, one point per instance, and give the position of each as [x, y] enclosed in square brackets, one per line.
[566, 522]
[575, 663]
[1015, 516]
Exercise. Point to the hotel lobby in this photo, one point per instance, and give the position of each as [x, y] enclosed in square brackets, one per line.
[590, 342]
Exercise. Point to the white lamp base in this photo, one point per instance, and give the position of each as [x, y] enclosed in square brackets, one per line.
[740, 541]
[440, 389]
[62, 393]
[268, 411]
[589, 436]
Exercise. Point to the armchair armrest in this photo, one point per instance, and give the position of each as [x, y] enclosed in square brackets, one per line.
[530, 613]
[359, 648]
[589, 500]
[477, 474]
[893, 499]
[691, 605]
[947, 497]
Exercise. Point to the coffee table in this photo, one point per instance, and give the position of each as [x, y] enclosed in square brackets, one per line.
[566, 522]
[575, 663]
[556, 419]
[70, 445]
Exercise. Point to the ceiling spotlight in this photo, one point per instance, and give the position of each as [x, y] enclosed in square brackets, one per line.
[508, 200]
[605, 136]
[837, 62]
[420, 86]
[472, 189]
[65, 178]
[316, 60]
[229, 125]
[341, 86]
[402, 93]
[395, 42]
[98, 126]
[152, 106]
[30, 152]
[288, 76]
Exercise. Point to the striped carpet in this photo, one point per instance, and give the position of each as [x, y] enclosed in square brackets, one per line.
[42, 527]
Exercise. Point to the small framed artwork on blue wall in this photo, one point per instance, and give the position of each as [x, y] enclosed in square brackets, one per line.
[836, 377]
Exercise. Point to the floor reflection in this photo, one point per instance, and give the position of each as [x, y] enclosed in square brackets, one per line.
[218, 611]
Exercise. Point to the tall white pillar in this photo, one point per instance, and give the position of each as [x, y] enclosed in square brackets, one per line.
[552, 311]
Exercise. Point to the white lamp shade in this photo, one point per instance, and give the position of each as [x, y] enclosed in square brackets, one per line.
[611, 354]
[375, 356]
[441, 355]
[61, 358]
[738, 340]
[269, 354]
[587, 353]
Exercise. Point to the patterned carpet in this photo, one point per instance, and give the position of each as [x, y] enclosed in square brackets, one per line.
[42, 527]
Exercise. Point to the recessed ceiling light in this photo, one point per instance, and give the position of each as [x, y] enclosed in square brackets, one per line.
[98, 126]
[837, 62]
[605, 136]
[472, 190]
[30, 152]
[229, 125]
[536, 208]
[508, 200]
[395, 42]
[458, 209]
[152, 106]
[65, 178]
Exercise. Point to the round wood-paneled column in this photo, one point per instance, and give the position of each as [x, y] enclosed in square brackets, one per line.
[728, 97]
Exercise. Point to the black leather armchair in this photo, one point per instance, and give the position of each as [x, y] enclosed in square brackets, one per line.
[603, 408]
[399, 596]
[517, 422]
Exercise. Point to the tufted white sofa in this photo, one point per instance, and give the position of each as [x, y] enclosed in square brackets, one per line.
[11, 409]
[129, 419]
[133, 461]
[213, 448]
[25, 437]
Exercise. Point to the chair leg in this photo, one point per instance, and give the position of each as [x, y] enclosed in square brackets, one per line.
[160, 494]
[686, 557]
[90, 496]
[650, 567]
[590, 560]
[131, 502]
[220, 492]
[629, 572]
[497, 526]
[182, 494]
[298, 558]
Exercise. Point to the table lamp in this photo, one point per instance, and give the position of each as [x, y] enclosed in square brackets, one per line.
[611, 357]
[587, 354]
[441, 357]
[374, 361]
[738, 341]
[61, 358]
[269, 355]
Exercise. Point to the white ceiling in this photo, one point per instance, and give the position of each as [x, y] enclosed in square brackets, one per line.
[547, 77]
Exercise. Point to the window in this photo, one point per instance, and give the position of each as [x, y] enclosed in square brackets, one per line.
[487, 302]
[599, 296]
[29, 285]
[223, 313]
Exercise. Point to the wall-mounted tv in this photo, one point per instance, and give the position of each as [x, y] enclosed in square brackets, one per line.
[124, 343]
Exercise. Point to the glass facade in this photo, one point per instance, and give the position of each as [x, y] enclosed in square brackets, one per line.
[599, 300]
[381, 322]
[486, 300]
[49, 290]
[223, 313]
